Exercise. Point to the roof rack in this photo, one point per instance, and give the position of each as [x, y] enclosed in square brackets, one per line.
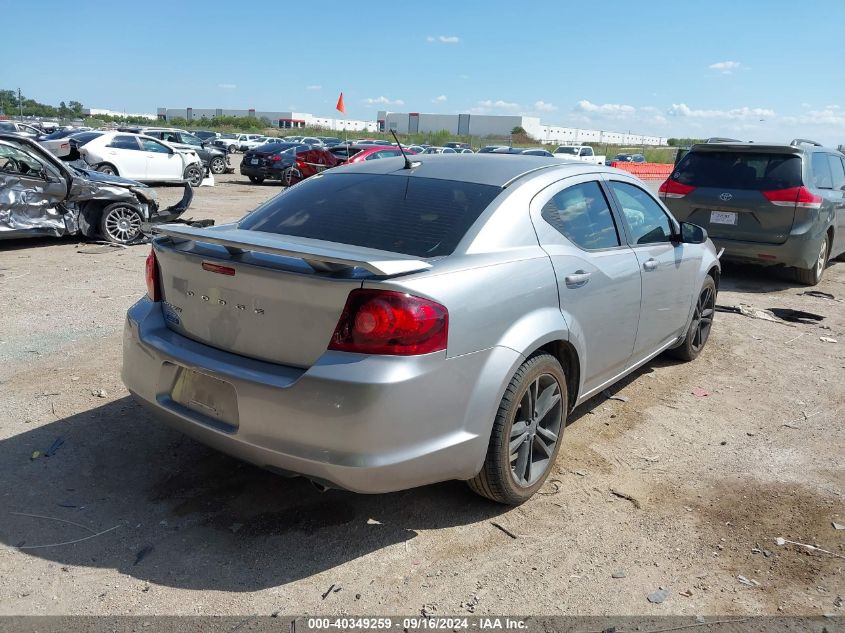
[803, 141]
[720, 139]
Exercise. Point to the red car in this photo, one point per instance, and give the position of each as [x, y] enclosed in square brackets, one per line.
[288, 162]
[353, 153]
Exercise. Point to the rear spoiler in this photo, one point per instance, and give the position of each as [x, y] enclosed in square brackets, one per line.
[321, 255]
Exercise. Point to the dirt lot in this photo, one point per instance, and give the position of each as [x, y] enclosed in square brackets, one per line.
[667, 489]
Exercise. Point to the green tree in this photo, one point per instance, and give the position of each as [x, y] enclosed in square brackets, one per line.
[518, 130]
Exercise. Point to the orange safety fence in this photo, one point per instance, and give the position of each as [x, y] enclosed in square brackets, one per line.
[646, 171]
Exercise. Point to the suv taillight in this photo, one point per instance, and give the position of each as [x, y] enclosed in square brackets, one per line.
[151, 274]
[673, 189]
[389, 322]
[800, 197]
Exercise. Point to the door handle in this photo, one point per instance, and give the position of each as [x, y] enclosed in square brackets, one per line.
[650, 264]
[577, 279]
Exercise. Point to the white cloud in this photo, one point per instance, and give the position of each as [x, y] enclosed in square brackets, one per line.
[227, 86]
[501, 105]
[683, 110]
[383, 101]
[444, 39]
[607, 109]
[439, 99]
[542, 106]
[726, 68]
[314, 87]
[830, 116]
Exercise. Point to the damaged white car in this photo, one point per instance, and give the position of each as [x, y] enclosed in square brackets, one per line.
[136, 156]
[43, 196]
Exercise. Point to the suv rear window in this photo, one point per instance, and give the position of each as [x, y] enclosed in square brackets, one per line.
[424, 217]
[739, 170]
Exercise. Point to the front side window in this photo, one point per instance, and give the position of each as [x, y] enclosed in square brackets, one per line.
[150, 145]
[646, 219]
[581, 214]
[16, 161]
[124, 142]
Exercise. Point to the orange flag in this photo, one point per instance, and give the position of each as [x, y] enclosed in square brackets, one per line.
[340, 107]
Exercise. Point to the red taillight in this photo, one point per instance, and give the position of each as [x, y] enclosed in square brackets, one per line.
[275, 157]
[151, 273]
[217, 268]
[798, 196]
[674, 189]
[389, 322]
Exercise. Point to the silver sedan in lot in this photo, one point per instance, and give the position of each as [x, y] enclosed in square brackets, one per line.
[390, 324]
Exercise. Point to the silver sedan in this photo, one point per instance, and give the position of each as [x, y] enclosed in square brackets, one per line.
[392, 324]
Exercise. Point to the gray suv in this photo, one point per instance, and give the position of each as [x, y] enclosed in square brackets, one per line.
[765, 204]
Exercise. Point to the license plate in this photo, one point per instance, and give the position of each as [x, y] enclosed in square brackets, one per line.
[213, 398]
[723, 217]
[254, 161]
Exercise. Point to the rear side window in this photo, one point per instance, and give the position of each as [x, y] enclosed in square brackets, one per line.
[124, 142]
[424, 217]
[837, 171]
[647, 221]
[582, 215]
[739, 170]
[820, 167]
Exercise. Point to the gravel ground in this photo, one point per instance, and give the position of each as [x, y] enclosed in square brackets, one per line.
[668, 489]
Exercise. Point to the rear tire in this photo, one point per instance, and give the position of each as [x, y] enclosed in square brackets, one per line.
[256, 179]
[701, 324]
[232, 149]
[523, 431]
[812, 276]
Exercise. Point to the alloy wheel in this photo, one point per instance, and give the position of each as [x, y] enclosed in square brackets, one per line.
[535, 430]
[702, 321]
[822, 260]
[122, 225]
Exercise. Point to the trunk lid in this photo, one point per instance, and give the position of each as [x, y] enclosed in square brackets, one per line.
[728, 196]
[255, 294]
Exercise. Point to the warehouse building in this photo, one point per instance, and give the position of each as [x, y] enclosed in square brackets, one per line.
[285, 120]
[482, 125]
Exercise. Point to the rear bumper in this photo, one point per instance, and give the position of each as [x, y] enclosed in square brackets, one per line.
[262, 172]
[364, 423]
[801, 249]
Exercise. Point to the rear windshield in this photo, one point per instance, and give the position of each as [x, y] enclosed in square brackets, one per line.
[83, 137]
[424, 217]
[739, 170]
[567, 150]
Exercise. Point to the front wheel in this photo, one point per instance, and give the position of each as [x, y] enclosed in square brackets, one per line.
[526, 433]
[232, 149]
[217, 165]
[121, 223]
[813, 275]
[106, 168]
[193, 175]
[256, 179]
[702, 323]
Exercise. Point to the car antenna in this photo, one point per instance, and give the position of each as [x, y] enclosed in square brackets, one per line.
[408, 163]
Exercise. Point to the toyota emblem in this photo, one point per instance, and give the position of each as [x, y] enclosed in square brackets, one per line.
[724, 197]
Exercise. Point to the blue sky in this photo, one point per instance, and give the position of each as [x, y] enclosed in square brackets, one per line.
[760, 70]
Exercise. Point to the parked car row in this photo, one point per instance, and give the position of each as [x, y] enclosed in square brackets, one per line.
[214, 159]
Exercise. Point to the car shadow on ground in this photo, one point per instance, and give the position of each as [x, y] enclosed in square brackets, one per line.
[120, 491]
[753, 279]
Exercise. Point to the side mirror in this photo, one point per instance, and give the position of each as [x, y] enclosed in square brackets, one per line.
[692, 233]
